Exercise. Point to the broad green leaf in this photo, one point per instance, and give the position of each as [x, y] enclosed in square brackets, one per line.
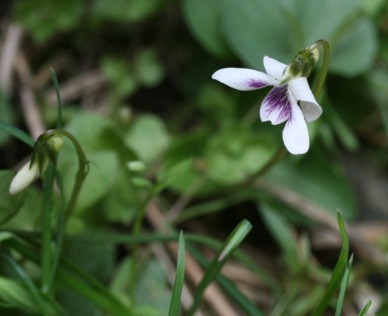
[148, 70]
[43, 18]
[123, 200]
[88, 128]
[204, 20]
[282, 233]
[319, 179]
[256, 28]
[236, 154]
[123, 10]
[119, 73]
[103, 171]
[252, 26]
[151, 289]
[148, 137]
[356, 50]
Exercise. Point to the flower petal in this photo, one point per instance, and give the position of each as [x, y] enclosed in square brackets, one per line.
[274, 68]
[276, 106]
[300, 89]
[295, 133]
[244, 79]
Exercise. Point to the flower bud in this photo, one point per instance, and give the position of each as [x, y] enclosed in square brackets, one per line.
[25, 176]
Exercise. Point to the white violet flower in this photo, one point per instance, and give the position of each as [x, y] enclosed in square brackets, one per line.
[290, 99]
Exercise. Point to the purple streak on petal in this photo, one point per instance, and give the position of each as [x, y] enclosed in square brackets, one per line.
[257, 84]
[278, 100]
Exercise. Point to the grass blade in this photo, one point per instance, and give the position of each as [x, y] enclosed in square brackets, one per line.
[212, 271]
[365, 309]
[344, 284]
[17, 133]
[179, 279]
[338, 271]
[234, 293]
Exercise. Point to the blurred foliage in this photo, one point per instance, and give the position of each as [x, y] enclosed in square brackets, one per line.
[203, 148]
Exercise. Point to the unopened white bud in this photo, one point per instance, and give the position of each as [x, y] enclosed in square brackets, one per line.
[25, 176]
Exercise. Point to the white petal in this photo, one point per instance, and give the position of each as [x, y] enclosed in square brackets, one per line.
[244, 79]
[295, 133]
[274, 68]
[300, 89]
[25, 176]
[276, 106]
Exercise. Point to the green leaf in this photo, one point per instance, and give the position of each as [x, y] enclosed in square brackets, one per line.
[213, 270]
[378, 81]
[13, 294]
[147, 68]
[250, 27]
[9, 204]
[7, 118]
[123, 10]
[229, 287]
[318, 178]
[282, 233]
[103, 172]
[44, 18]
[237, 153]
[365, 309]
[88, 129]
[151, 288]
[356, 50]
[18, 133]
[148, 137]
[204, 20]
[179, 279]
[338, 271]
[119, 73]
[344, 284]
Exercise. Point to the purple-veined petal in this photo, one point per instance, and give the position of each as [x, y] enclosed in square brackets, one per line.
[295, 133]
[300, 89]
[276, 106]
[244, 79]
[274, 68]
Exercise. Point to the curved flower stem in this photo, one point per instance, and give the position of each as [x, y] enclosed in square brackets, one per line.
[325, 67]
[82, 169]
[49, 260]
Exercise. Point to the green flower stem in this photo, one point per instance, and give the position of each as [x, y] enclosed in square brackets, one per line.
[56, 88]
[48, 264]
[82, 169]
[325, 67]
[136, 232]
[46, 233]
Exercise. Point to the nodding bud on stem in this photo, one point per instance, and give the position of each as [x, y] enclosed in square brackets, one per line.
[45, 148]
[302, 64]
